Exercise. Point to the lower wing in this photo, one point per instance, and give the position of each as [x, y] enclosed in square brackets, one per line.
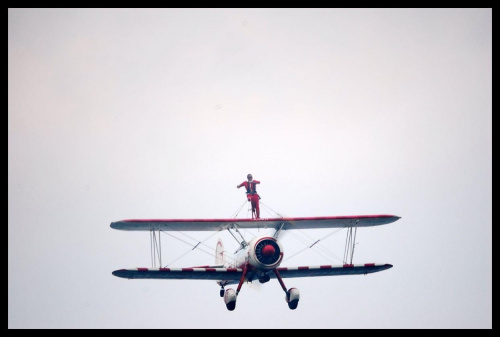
[234, 274]
[329, 270]
[203, 273]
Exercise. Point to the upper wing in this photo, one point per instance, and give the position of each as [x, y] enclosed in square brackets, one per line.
[219, 224]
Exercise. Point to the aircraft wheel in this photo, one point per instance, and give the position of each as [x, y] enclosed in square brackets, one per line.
[231, 305]
[222, 293]
[293, 304]
[265, 279]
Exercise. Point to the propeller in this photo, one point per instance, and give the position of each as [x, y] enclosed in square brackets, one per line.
[267, 252]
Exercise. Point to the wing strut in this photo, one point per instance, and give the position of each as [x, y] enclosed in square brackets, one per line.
[278, 231]
[350, 243]
[243, 242]
[155, 247]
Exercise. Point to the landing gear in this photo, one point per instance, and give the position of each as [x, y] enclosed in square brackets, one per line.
[292, 295]
[242, 278]
[230, 294]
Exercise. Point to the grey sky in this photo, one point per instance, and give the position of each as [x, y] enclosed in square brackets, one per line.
[159, 113]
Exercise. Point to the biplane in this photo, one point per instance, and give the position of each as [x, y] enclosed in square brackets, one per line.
[257, 259]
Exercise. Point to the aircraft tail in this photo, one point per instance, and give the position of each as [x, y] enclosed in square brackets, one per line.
[219, 253]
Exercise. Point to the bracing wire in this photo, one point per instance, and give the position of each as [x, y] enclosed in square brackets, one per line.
[308, 245]
[312, 239]
[202, 242]
[200, 249]
[238, 210]
[247, 232]
[197, 246]
[267, 207]
[317, 242]
[177, 259]
[269, 211]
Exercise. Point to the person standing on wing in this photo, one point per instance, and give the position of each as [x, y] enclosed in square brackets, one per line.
[252, 196]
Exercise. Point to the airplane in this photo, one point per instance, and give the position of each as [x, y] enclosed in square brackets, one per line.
[257, 259]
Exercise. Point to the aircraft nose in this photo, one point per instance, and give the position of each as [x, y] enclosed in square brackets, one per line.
[268, 250]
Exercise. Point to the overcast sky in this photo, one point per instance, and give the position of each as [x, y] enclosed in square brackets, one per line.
[159, 113]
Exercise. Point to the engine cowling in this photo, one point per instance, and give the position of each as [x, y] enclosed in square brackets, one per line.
[265, 253]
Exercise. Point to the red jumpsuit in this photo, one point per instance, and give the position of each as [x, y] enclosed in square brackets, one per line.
[252, 195]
